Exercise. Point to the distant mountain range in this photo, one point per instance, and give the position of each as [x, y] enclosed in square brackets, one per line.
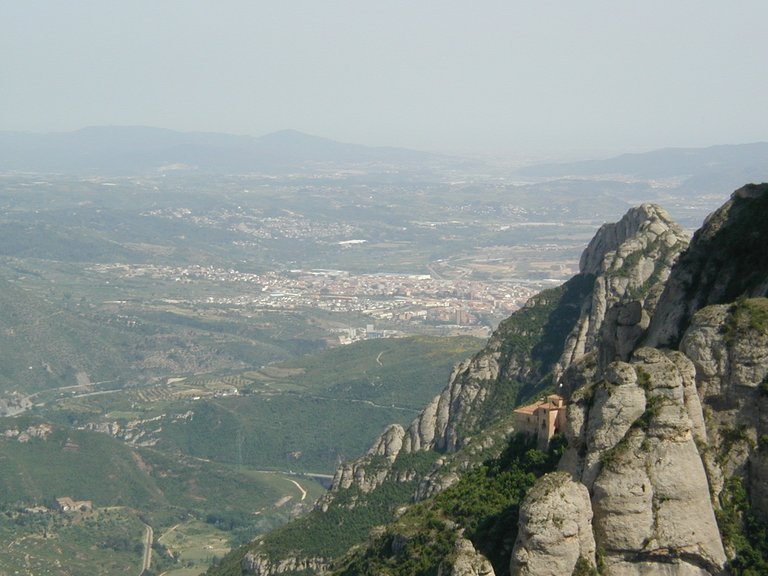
[702, 168]
[136, 149]
[125, 150]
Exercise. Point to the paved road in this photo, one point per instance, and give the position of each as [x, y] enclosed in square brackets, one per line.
[148, 537]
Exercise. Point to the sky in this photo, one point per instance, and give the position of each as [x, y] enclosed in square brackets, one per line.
[487, 76]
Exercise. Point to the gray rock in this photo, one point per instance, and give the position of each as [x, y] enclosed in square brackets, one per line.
[555, 528]
[466, 561]
[631, 259]
[634, 449]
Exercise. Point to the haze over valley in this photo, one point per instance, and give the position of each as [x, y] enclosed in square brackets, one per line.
[337, 288]
[268, 324]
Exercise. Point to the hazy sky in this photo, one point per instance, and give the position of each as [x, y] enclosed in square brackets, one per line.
[443, 75]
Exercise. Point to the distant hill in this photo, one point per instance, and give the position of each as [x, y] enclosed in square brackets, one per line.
[136, 149]
[703, 168]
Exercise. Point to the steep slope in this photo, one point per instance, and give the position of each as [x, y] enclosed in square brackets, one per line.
[670, 445]
[727, 259]
[471, 419]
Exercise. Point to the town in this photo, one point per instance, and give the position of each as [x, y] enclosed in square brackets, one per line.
[405, 300]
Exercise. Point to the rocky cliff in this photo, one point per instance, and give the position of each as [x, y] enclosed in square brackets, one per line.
[632, 441]
[666, 439]
[630, 260]
[622, 273]
[727, 259]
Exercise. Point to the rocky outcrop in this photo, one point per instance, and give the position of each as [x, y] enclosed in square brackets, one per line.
[259, 565]
[728, 345]
[653, 435]
[654, 432]
[438, 424]
[368, 472]
[630, 260]
[622, 271]
[555, 528]
[466, 561]
[726, 259]
[633, 446]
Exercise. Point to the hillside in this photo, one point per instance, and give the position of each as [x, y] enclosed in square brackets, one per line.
[126, 487]
[469, 422]
[53, 341]
[206, 468]
[46, 346]
[664, 462]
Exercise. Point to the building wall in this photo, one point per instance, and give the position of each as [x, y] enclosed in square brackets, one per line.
[541, 420]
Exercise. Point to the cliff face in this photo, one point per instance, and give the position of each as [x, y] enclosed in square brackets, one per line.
[727, 259]
[630, 260]
[657, 436]
[633, 448]
[728, 346]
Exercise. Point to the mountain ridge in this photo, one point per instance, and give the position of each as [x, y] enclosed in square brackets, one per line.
[136, 149]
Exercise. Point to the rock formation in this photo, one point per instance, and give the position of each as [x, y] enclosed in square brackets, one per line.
[622, 272]
[630, 260]
[633, 446]
[655, 434]
[466, 561]
[727, 259]
[557, 518]
[259, 565]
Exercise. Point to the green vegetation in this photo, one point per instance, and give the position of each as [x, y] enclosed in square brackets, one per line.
[308, 414]
[103, 542]
[485, 501]
[643, 379]
[732, 260]
[484, 504]
[400, 371]
[584, 568]
[345, 524]
[194, 545]
[83, 465]
[532, 340]
[742, 530]
[231, 503]
[746, 314]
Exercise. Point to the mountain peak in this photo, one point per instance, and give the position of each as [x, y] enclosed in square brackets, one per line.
[609, 237]
[726, 259]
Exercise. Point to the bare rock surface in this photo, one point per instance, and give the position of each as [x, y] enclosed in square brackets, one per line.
[632, 444]
[630, 259]
[555, 529]
[466, 561]
[728, 345]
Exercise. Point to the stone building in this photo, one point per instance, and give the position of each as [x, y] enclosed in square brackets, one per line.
[541, 420]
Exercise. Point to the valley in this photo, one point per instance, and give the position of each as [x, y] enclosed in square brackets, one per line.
[197, 353]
